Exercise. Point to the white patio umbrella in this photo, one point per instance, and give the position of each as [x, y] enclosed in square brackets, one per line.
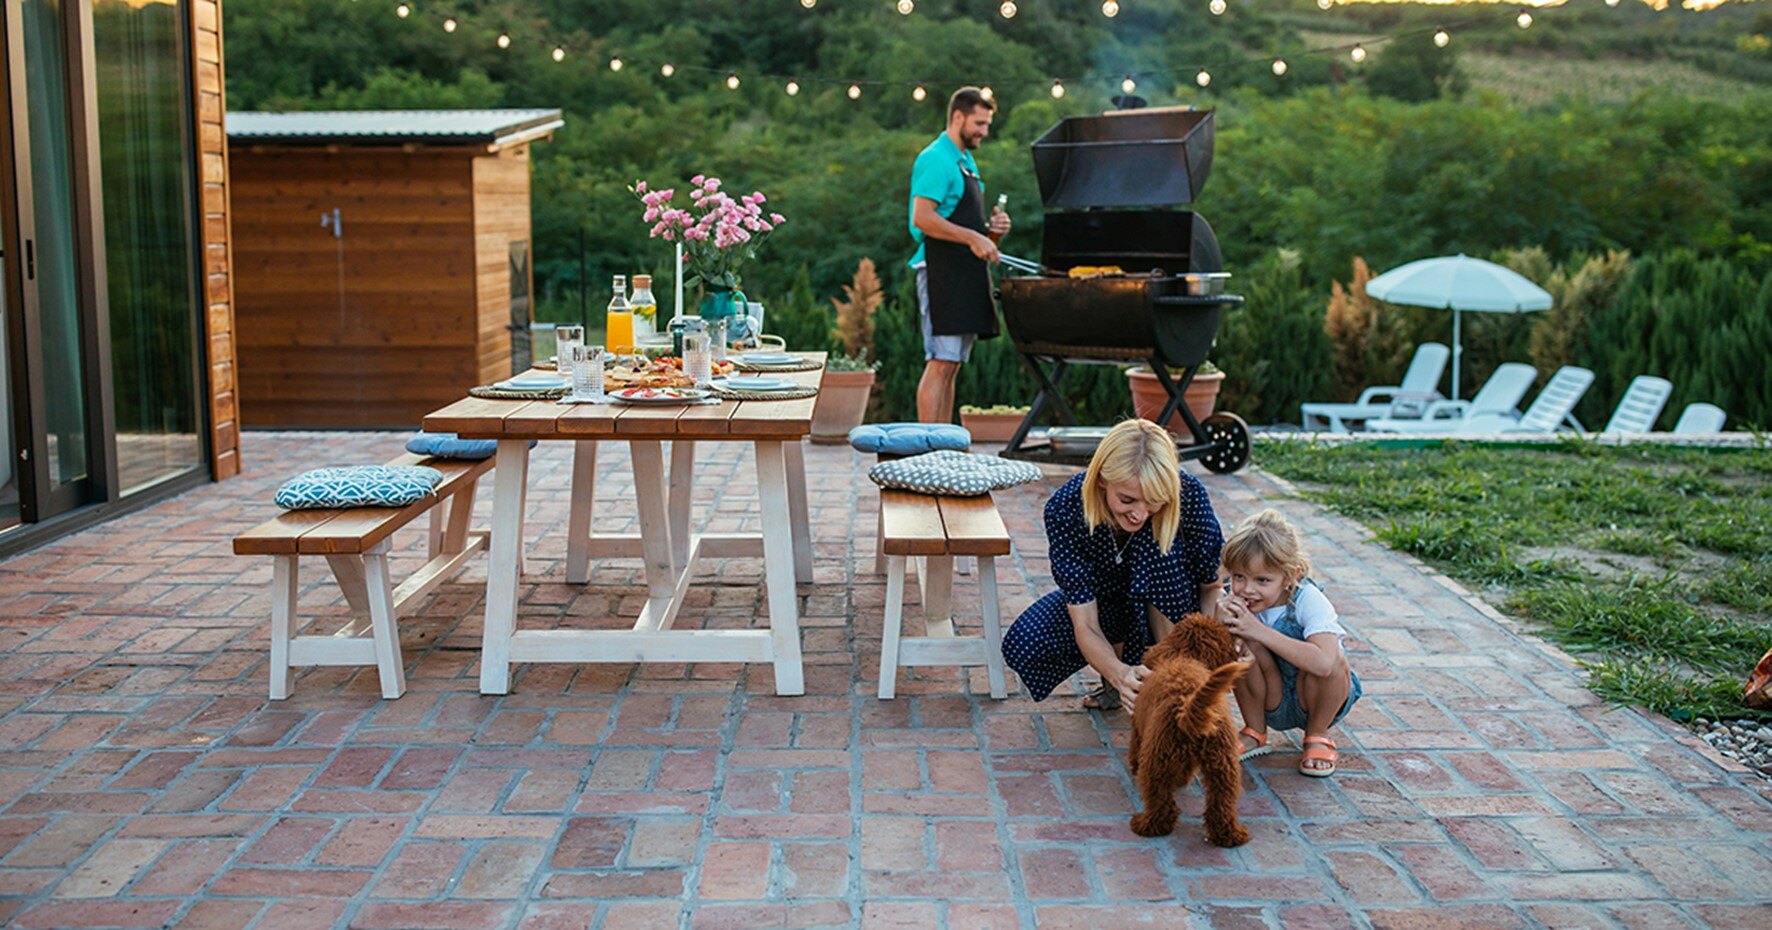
[1458, 283]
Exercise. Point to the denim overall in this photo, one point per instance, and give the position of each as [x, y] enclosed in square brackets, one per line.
[1290, 714]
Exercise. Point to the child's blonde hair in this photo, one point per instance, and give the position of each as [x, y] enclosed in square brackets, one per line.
[1270, 539]
[1136, 450]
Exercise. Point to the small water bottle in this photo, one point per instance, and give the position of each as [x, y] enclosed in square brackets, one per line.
[717, 338]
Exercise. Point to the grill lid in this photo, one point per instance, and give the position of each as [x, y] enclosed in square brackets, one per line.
[1126, 158]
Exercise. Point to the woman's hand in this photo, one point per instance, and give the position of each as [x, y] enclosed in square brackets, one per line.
[1127, 682]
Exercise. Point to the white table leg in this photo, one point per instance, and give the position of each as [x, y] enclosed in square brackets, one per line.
[801, 515]
[388, 658]
[582, 505]
[682, 485]
[510, 488]
[993, 625]
[891, 626]
[655, 538]
[283, 592]
[778, 565]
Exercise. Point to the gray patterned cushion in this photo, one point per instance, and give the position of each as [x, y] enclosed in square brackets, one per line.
[358, 486]
[960, 474]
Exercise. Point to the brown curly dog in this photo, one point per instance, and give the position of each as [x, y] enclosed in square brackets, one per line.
[1181, 724]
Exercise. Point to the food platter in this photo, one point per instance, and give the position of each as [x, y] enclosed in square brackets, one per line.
[659, 395]
[659, 373]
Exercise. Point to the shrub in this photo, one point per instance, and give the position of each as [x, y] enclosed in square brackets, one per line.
[1274, 350]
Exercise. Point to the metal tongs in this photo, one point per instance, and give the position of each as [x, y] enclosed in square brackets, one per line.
[1021, 264]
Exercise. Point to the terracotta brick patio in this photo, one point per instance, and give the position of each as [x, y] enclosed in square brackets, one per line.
[147, 782]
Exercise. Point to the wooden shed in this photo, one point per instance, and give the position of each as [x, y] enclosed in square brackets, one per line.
[381, 260]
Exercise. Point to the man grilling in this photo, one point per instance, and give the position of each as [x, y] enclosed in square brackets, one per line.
[956, 245]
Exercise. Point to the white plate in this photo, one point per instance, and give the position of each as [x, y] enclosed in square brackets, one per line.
[755, 383]
[767, 358]
[533, 383]
[638, 395]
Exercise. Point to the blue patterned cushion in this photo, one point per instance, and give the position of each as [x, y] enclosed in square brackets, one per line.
[449, 446]
[955, 473]
[909, 438]
[358, 486]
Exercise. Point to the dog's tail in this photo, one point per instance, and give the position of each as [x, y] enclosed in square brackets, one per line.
[1196, 714]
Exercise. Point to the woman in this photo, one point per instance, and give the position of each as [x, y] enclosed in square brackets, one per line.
[1134, 546]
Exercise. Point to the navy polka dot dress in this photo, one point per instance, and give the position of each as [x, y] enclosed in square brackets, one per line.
[1042, 645]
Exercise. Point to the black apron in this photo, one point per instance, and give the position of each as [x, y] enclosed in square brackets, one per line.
[960, 302]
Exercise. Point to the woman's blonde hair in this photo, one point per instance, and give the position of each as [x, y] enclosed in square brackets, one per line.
[1269, 538]
[1136, 450]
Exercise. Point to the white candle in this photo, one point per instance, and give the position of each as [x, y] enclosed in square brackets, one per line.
[679, 310]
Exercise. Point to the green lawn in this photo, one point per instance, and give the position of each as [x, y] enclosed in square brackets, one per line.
[1651, 564]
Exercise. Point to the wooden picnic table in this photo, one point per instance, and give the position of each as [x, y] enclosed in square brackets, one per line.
[776, 430]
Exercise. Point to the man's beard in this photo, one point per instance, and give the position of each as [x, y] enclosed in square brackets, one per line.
[970, 142]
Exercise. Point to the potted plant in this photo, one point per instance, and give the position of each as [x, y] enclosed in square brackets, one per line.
[1201, 395]
[992, 424]
[849, 375]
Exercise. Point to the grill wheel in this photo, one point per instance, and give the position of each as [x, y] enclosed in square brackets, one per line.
[1231, 435]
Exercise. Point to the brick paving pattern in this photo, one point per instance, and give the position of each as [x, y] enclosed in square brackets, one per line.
[145, 781]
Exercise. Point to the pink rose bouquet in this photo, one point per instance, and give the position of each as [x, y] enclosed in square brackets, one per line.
[718, 233]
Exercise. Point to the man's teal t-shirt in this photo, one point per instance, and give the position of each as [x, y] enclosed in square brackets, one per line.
[938, 176]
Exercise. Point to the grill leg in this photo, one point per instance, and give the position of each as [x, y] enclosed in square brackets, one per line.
[1177, 391]
[1048, 391]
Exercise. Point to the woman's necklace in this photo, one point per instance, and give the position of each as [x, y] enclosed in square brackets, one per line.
[1119, 554]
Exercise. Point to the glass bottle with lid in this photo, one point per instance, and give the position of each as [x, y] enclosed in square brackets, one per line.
[644, 307]
[619, 329]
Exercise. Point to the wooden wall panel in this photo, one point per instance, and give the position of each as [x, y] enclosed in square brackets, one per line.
[210, 106]
[402, 340]
[501, 216]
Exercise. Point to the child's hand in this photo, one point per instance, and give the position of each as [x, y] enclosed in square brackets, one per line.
[1237, 619]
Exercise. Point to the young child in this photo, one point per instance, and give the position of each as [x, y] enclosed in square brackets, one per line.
[1300, 678]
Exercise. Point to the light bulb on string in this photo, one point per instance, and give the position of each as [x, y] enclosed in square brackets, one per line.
[1325, 4]
[1441, 38]
[809, 4]
[1129, 85]
[1057, 89]
[1358, 54]
[1217, 7]
[1279, 67]
[906, 7]
[1007, 9]
[1611, 2]
[559, 53]
[1203, 78]
[667, 69]
[403, 10]
[732, 81]
[918, 93]
[449, 24]
[615, 63]
[855, 92]
[1524, 19]
[504, 40]
[1110, 9]
[987, 93]
[793, 88]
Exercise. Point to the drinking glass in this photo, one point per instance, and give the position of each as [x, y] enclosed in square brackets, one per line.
[587, 371]
[564, 338]
[698, 360]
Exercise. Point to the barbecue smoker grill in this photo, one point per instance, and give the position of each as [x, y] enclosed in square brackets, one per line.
[1110, 185]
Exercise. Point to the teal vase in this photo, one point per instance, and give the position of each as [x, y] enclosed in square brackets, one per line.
[721, 304]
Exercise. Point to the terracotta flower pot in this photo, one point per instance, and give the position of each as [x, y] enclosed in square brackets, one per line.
[1148, 397]
[842, 402]
[991, 427]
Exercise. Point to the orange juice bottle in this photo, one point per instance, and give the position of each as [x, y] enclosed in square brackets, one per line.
[619, 328]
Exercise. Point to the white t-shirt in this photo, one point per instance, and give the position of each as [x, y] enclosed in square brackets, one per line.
[1315, 613]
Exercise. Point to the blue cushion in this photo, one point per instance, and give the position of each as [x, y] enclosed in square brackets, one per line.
[910, 438]
[447, 446]
[358, 486]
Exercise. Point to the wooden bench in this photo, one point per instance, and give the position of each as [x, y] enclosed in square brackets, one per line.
[935, 530]
[355, 543]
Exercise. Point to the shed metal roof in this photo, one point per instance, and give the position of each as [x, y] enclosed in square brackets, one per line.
[391, 127]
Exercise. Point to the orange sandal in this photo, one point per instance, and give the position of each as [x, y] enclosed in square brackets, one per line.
[1318, 749]
[1261, 748]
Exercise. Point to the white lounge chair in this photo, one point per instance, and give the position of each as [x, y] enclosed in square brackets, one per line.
[1421, 384]
[1551, 409]
[1499, 399]
[1641, 404]
[1700, 418]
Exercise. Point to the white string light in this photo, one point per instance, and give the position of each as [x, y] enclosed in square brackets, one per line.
[449, 24]
[403, 11]
[855, 92]
[1129, 85]
[560, 55]
[1358, 54]
[732, 81]
[1007, 9]
[1279, 67]
[809, 4]
[1057, 89]
[1441, 38]
[1217, 7]
[667, 69]
[615, 63]
[793, 88]
[1524, 19]
[1203, 78]
[504, 40]
[918, 93]
[906, 7]
[987, 93]
[1325, 4]
[1611, 2]
[1110, 9]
